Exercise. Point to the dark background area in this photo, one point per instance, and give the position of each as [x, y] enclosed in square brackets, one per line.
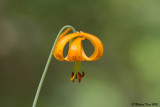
[128, 72]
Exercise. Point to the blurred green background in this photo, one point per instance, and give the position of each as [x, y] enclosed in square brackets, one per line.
[128, 72]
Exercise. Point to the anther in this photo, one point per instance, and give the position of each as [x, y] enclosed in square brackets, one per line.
[72, 79]
[76, 76]
[72, 74]
[82, 74]
[79, 77]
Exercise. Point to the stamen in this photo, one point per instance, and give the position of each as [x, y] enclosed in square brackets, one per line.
[81, 69]
[75, 74]
[77, 69]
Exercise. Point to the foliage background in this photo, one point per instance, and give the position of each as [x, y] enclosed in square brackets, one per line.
[127, 73]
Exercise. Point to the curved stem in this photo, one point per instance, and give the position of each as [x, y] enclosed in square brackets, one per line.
[47, 64]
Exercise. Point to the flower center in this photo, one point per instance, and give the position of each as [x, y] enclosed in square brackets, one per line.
[78, 70]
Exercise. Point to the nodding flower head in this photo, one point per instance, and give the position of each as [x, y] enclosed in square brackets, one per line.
[76, 52]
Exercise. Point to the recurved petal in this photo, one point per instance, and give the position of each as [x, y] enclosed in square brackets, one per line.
[75, 50]
[64, 33]
[58, 51]
[98, 47]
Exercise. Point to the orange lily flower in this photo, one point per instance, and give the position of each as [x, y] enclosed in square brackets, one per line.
[76, 52]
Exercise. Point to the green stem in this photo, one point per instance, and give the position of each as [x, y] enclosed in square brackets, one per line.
[47, 64]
